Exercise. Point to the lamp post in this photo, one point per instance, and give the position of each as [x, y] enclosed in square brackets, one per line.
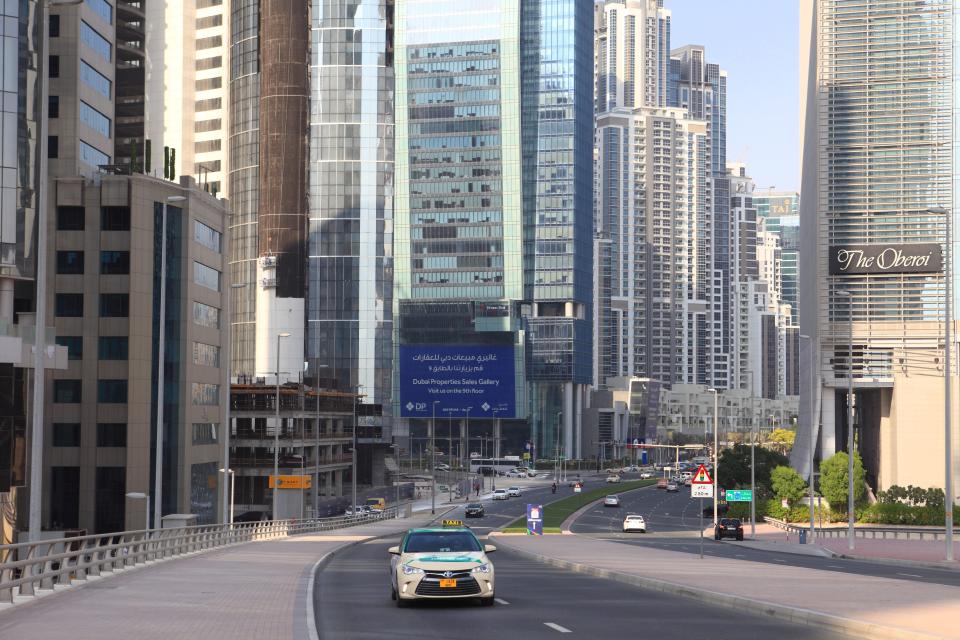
[353, 472]
[161, 342]
[433, 459]
[226, 432]
[947, 381]
[813, 435]
[142, 495]
[233, 477]
[716, 453]
[850, 417]
[276, 431]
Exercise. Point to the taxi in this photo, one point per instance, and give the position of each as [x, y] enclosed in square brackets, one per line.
[435, 563]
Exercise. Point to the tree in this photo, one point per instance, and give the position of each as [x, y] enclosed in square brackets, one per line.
[834, 480]
[787, 484]
[735, 466]
[782, 439]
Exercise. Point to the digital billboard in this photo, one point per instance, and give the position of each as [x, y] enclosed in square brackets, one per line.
[457, 377]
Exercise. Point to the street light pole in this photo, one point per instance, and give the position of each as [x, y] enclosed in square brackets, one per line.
[716, 453]
[851, 516]
[947, 382]
[433, 459]
[353, 473]
[813, 435]
[276, 432]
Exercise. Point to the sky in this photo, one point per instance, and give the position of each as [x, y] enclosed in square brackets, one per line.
[756, 42]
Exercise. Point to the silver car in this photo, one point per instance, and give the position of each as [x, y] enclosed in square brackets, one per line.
[611, 501]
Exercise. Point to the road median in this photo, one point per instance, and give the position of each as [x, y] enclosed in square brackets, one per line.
[557, 512]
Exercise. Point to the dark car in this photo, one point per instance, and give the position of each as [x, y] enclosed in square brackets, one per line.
[728, 528]
[473, 510]
[252, 516]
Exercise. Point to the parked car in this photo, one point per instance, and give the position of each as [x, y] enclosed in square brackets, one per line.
[513, 492]
[611, 501]
[613, 479]
[728, 528]
[501, 494]
[634, 523]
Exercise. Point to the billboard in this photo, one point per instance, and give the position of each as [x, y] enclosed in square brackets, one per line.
[457, 377]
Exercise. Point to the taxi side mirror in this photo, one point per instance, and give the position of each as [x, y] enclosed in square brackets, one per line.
[489, 548]
[394, 551]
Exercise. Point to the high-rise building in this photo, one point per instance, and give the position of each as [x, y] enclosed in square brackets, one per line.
[872, 283]
[781, 210]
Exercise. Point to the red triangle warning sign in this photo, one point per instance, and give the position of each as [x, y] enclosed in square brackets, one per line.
[701, 477]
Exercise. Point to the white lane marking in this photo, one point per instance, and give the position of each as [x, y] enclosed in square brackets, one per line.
[778, 560]
[834, 566]
[501, 601]
[909, 575]
[740, 555]
[556, 627]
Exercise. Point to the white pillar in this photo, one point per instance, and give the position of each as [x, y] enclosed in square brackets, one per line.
[828, 442]
[567, 419]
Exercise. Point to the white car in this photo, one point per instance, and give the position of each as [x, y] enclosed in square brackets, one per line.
[646, 474]
[500, 494]
[613, 479]
[513, 492]
[516, 474]
[634, 523]
[442, 467]
[611, 501]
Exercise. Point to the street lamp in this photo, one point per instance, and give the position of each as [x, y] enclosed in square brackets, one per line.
[433, 459]
[843, 293]
[226, 432]
[716, 455]
[226, 471]
[353, 472]
[142, 495]
[947, 382]
[276, 431]
[161, 341]
[813, 435]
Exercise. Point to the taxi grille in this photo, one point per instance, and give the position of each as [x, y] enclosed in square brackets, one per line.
[466, 585]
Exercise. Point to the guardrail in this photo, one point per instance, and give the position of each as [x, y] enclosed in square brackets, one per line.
[30, 567]
[867, 533]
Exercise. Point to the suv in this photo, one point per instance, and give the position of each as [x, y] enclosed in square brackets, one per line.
[728, 528]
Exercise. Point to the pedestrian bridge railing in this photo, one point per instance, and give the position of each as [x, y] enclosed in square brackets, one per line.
[29, 569]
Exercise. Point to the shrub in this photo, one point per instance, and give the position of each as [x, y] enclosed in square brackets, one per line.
[735, 466]
[933, 498]
[833, 479]
[787, 484]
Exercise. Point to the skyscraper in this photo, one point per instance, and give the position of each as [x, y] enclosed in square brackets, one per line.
[872, 286]
[781, 210]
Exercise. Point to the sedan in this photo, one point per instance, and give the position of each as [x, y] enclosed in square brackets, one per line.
[500, 494]
[728, 528]
[513, 492]
[611, 501]
[634, 523]
[645, 475]
[673, 487]
[473, 510]
[613, 479]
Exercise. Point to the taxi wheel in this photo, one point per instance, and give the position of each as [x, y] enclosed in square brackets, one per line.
[393, 593]
[486, 602]
[401, 603]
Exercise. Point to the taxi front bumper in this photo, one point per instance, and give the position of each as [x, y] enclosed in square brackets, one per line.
[439, 585]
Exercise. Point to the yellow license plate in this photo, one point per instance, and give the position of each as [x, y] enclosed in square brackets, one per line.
[448, 583]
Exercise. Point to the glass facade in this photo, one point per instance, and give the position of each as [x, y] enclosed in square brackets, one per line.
[782, 212]
[351, 193]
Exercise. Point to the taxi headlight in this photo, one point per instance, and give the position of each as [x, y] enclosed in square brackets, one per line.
[409, 571]
[483, 568]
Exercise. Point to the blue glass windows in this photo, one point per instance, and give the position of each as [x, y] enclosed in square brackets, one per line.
[92, 38]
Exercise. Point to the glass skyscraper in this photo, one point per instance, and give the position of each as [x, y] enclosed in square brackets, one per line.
[782, 212]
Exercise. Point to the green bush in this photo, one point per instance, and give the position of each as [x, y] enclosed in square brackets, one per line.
[735, 466]
[787, 484]
[912, 495]
[834, 481]
[905, 514]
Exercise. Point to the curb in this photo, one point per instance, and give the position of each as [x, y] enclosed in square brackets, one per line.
[795, 615]
[897, 562]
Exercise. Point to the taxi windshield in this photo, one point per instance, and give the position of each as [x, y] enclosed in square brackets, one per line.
[441, 541]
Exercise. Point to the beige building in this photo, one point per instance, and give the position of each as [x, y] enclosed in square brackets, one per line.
[103, 296]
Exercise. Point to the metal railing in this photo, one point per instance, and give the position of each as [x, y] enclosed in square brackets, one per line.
[29, 567]
[867, 532]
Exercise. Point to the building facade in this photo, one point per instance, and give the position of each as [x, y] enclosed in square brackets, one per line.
[871, 319]
[103, 291]
[781, 210]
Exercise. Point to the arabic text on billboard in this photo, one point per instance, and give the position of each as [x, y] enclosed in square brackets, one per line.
[480, 378]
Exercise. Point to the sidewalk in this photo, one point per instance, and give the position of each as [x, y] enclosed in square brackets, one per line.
[850, 603]
[255, 590]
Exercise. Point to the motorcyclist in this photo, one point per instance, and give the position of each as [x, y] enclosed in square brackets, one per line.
[554, 487]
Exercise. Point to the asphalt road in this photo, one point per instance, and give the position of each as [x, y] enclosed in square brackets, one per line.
[352, 600]
[673, 523]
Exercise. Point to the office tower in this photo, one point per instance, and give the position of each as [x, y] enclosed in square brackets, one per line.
[104, 294]
[350, 277]
[781, 210]
[186, 89]
[556, 49]
[871, 262]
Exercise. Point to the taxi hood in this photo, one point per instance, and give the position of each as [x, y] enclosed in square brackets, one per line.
[436, 560]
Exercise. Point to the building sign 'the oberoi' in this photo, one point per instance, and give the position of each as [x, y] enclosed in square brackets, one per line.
[924, 257]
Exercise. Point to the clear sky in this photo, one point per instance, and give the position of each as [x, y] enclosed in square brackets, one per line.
[756, 42]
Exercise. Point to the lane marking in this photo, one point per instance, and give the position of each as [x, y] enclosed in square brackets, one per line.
[909, 575]
[778, 560]
[500, 601]
[834, 566]
[556, 627]
[740, 555]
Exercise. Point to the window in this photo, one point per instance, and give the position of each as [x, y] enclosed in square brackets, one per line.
[95, 80]
[68, 305]
[204, 433]
[69, 262]
[66, 434]
[53, 147]
[54, 26]
[115, 218]
[112, 391]
[65, 497]
[92, 38]
[53, 106]
[200, 126]
[53, 66]
[204, 64]
[206, 355]
[74, 345]
[209, 83]
[93, 156]
[94, 119]
[114, 305]
[209, 104]
[66, 391]
[206, 276]
[70, 218]
[102, 8]
[203, 4]
[114, 262]
[209, 21]
[206, 146]
[207, 395]
[113, 347]
[111, 434]
[210, 42]
[205, 315]
[207, 236]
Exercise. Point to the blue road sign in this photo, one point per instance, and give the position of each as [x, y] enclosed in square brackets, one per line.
[534, 520]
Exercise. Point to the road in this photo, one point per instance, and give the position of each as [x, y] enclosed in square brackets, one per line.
[352, 600]
[673, 523]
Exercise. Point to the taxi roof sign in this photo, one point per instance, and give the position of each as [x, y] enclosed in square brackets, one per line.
[701, 476]
[452, 523]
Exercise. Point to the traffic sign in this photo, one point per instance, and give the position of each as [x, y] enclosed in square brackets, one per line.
[289, 482]
[701, 490]
[739, 495]
[534, 520]
[701, 477]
